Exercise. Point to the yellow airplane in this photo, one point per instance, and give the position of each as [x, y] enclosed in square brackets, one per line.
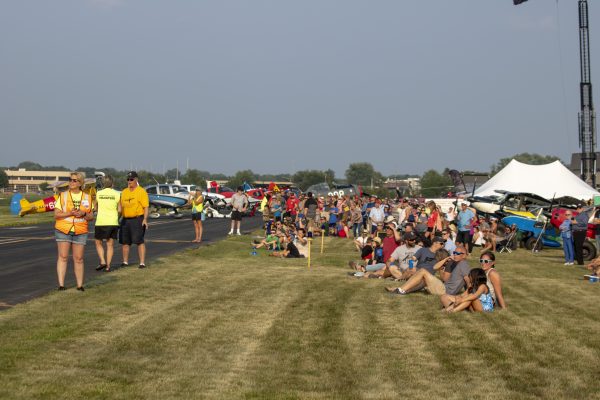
[21, 206]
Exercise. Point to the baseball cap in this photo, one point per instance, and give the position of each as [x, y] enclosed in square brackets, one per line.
[377, 240]
[410, 236]
[132, 174]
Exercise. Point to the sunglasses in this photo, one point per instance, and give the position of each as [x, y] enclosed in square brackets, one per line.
[482, 261]
[457, 253]
[74, 180]
[131, 179]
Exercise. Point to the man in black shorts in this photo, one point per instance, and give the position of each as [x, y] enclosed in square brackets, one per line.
[108, 206]
[135, 206]
[239, 203]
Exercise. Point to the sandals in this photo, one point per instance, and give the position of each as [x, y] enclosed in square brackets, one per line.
[100, 267]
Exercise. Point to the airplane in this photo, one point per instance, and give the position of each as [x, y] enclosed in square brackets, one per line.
[323, 189]
[21, 206]
[169, 196]
[255, 196]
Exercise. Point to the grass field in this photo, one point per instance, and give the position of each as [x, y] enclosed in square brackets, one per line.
[7, 219]
[219, 323]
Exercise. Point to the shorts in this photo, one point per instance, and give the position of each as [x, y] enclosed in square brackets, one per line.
[436, 287]
[73, 239]
[106, 232]
[132, 231]
[198, 216]
[236, 215]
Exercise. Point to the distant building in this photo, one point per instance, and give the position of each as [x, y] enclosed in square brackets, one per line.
[25, 181]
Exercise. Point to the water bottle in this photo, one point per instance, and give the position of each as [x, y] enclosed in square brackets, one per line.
[411, 264]
[253, 251]
[593, 279]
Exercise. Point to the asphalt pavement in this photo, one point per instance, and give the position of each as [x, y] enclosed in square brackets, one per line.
[28, 253]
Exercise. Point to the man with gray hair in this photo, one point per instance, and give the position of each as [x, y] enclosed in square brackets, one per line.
[108, 207]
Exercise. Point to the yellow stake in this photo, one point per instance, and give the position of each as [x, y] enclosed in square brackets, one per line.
[309, 243]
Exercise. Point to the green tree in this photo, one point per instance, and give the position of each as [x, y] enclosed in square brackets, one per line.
[240, 177]
[30, 166]
[527, 158]
[304, 179]
[434, 184]
[3, 179]
[364, 174]
[329, 176]
[44, 186]
[195, 177]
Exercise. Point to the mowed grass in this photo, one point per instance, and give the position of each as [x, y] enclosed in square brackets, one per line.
[219, 323]
[8, 219]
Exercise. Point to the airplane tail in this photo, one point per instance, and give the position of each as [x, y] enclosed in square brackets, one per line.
[25, 207]
[15, 203]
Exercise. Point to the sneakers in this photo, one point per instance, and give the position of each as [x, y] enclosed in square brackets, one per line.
[230, 233]
[61, 288]
[142, 266]
[81, 289]
[124, 264]
[238, 233]
[395, 290]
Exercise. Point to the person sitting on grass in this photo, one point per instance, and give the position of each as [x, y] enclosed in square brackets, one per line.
[342, 230]
[291, 251]
[487, 261]
[477, 297]
[301, 242]
[399, 262]
[453, 269]
[271, 242]
[374, 263]
[361, 241]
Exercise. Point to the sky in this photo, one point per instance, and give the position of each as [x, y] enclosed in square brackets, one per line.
[280, 86]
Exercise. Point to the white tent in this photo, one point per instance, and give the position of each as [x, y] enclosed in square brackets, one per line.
[548, 180]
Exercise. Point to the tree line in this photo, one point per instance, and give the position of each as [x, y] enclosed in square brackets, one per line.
[433, 183]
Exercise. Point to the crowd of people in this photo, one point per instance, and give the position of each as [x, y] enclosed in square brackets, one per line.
[418, 244]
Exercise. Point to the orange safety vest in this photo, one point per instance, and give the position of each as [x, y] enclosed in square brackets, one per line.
[80, 224]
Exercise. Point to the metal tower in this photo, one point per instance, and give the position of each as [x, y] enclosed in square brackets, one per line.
[587, 115]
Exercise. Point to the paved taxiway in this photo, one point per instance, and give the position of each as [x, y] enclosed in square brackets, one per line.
[28, 253]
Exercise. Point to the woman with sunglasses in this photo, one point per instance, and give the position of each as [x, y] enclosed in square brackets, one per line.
[487, 261]
[72, 211]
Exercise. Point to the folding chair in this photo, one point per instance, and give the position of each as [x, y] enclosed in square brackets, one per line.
[508, 243]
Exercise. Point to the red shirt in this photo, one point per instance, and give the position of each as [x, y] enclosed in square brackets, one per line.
[389, 245]
[291, 205]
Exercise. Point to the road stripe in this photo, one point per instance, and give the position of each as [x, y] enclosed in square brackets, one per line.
[9, 241]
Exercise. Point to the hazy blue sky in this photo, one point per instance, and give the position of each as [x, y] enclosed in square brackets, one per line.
[279, 86]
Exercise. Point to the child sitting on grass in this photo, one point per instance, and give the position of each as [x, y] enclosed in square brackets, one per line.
[476, 298]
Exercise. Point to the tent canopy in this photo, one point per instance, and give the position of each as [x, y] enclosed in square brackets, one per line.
[548, 180]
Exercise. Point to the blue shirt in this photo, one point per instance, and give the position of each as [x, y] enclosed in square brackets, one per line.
[464, 219]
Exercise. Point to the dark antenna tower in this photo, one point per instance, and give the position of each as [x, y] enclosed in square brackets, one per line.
[587, 115]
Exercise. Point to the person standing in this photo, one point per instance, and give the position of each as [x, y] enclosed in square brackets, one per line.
[310, 211]
[135, 206]
[464, 221]
[376, 215]
[579, 232]
[108, 206]
[196, 200]
[239, 202]
[72, 212]
[567, 237]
